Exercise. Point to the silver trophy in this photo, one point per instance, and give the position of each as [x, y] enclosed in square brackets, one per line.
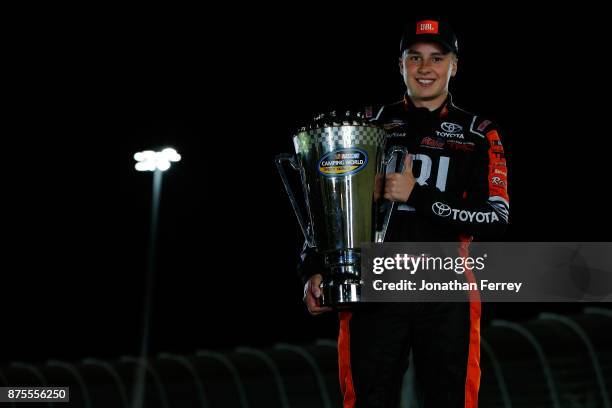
[341, 163]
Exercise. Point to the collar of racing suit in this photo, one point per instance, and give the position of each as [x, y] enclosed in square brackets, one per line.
[440, 112]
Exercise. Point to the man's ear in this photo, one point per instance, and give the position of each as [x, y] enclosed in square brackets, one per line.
[401, 66]
[454, 66]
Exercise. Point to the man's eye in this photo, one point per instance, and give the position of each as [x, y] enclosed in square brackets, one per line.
[414, 58]
[437, 59]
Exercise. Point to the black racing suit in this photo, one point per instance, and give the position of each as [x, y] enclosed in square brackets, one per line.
[460, 195]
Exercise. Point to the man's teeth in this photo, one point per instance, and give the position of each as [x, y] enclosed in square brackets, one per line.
[425, 81]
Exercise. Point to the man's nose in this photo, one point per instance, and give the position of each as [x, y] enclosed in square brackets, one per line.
[424, 66]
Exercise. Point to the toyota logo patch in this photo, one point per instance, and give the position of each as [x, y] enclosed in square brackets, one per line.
[441, 209]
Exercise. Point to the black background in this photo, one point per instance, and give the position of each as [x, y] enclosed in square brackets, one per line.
[227, 90]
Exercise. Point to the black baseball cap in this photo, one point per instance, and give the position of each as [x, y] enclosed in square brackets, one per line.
[429, 29]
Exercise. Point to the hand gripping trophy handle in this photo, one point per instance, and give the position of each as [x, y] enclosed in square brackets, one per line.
[304, 225]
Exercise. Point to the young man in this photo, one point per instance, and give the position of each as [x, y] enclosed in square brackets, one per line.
[454, 189]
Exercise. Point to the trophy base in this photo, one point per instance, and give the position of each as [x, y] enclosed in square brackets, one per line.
[342, 296]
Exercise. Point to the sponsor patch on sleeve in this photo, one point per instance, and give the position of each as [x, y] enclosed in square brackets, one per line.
[498, 171]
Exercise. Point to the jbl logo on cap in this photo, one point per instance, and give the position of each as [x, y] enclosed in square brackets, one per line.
[427, 27]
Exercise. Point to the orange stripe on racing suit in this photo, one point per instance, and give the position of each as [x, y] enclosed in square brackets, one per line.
[344, 361]
[472, 379]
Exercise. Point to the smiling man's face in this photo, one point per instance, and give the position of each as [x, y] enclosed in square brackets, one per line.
[427, 69]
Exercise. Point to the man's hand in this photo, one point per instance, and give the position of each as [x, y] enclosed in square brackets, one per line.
[312, 294]
[398, 186]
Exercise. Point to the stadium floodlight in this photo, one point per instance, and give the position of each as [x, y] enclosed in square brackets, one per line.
[158, 163]
[149, 160]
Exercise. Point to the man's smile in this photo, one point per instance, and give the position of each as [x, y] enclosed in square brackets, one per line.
[425, 81]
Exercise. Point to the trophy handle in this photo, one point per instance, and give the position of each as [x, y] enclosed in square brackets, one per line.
[401, 152]
[304, 226]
